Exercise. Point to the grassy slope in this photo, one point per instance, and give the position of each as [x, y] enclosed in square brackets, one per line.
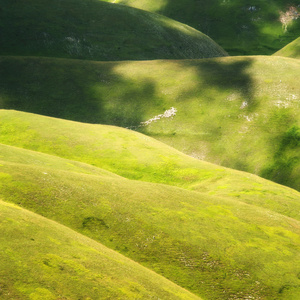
[290, 50]
[247, 251]
[41, 259]
[236, 27]
[91, 29]
[240, 112]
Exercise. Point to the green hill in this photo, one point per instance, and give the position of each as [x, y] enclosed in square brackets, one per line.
[134, 156]
[290, 50]
[41, 259]
[217, 247]
[239, 112]
[91, 29]
[240, 27]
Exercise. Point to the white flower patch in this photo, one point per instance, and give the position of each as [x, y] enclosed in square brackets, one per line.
[170, 113]
[281, 104]
[248, 118]
[292, 97]
[70, 39]
[244, 104]
[287, 102]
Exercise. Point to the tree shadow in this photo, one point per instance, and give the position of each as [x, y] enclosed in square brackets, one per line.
[283, 168]
[229, 75]
[75, 90]
[240, 27]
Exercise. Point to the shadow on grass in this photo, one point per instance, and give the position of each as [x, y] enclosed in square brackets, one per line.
[94, 93]
[229, 75]
[79, 91]
[286, 158]
[240, 27]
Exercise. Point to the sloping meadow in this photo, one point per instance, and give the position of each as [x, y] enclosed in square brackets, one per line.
[41, 259]
[290, 50]
[239, 112]
[214, 246]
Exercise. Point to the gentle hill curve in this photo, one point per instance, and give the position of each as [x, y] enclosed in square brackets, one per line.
[240, 27]
[290, 50]
[98, 31]
[215, 247]
[239, 112]
[41, 259]
[134, 156]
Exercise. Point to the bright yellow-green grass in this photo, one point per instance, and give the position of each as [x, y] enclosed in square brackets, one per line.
[241, 27]
[135, 156]
[239, 112]
[92, 29]
[43, 260]
[218, 248]
[290, 50]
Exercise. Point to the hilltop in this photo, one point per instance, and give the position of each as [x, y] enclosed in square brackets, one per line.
[290, 50]
[97, 30]
[239, 112]
[240, 27]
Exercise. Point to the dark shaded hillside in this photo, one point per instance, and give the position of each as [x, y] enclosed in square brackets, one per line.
[90, 29]
[241, 27]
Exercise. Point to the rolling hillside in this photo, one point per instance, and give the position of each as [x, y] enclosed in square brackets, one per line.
[138, 160]
[41, 259]
[290, 50]
[134, 156]
[96, 30]
[239, 112]
[216, 247]
[240, 27]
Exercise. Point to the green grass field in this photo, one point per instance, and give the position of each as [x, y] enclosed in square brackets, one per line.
[240, 27]
[97, 30]
[215, 246]
[290, 50]
[134, 156]
[138, 160]
[239, 112]
[41, 259]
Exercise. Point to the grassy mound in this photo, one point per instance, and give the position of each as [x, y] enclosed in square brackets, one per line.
[217, 248]
[239, 112]
[41, 259]
[290, 50]
[98, 31]
[134, 156]
[240, 27]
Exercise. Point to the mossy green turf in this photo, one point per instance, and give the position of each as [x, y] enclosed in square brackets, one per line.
[41, 259]
[239, 112]
[290, 50]
[217, 248]
[240, 27]
[92, 29]
[135, 156]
